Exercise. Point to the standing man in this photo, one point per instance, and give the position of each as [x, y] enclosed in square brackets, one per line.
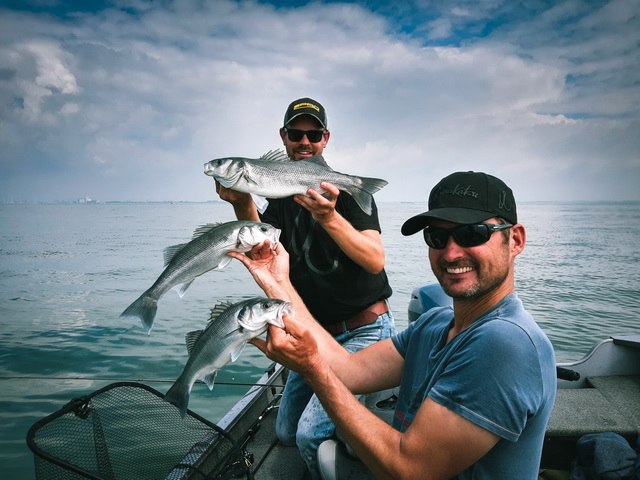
[336, 266]
[477, 381]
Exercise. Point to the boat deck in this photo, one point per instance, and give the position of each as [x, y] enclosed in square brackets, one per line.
[272, 459]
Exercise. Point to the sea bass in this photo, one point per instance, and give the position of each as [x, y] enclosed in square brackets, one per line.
[230, 327]
[206, 251]
[274, 175]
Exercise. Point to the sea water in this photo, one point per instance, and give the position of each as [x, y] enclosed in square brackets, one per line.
[68, 271]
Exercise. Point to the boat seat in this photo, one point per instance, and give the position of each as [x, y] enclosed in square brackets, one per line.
[336, 460]
[611, 405]
[335, 463]
[623, 392]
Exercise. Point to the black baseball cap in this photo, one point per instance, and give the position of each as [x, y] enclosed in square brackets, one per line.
[306, 106]
[466, 198]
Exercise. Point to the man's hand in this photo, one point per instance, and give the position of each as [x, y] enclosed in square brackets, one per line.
[293, 346]
[242, 203]
[231, 196]
[321, 206]
[268, 265]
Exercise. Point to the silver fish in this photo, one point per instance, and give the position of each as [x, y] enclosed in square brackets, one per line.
[206, 251]
[230, 327]
[274, 175]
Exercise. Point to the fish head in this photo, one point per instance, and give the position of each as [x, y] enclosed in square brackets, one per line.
[254, 233]
[226, 170]
[259, 312]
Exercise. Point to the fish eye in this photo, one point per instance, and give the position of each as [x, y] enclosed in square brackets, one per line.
[263, 228]
[267, 304]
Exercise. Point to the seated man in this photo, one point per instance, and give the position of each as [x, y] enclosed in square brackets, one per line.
[477, 381]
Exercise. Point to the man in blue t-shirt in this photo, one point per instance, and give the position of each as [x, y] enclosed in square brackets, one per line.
[477, 381]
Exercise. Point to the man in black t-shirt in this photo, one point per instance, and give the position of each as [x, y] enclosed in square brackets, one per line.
[336, 265]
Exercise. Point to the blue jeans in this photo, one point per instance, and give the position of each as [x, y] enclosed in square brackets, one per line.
[301, 418]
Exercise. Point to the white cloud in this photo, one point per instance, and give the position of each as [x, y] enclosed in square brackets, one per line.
[146, 99]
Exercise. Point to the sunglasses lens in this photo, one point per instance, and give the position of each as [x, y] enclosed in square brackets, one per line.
[295, 135]
[465, 235]
[314, 136]
[436, 237]
[471, 235]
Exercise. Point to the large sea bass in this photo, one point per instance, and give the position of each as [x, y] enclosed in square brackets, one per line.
[274, 175]
[207, 251]
[230, 327]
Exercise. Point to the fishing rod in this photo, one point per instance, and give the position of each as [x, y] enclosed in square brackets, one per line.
[146, 380]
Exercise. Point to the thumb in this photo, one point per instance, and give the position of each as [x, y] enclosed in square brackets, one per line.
[260, 343]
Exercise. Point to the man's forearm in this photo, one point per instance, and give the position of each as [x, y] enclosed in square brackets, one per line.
[371, 438]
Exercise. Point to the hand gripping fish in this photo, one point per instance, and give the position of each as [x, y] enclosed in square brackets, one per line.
[230, 327]
[274, 175]
[207, 251]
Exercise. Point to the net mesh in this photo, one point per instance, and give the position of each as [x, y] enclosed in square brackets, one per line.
[123, 431]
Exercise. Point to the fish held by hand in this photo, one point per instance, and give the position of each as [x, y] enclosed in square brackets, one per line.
[230, 327]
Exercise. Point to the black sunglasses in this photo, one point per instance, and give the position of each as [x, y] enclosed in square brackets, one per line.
[296, 135]
[464, 235]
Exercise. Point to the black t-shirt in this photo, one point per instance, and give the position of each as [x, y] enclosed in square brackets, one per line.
[333, 287]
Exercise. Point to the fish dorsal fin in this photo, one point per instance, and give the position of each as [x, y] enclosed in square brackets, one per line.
[191, 338]
[318, 160]
[171, 252]
[219, 309]
[275, 156]
[202, 229]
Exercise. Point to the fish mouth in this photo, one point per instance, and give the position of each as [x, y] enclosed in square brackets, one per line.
[207, 169]
[276, 238]
[285, 309]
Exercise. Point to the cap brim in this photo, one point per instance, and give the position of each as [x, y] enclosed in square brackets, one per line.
[453, 215]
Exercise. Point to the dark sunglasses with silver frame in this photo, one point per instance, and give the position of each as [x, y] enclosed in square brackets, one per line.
[464, 235]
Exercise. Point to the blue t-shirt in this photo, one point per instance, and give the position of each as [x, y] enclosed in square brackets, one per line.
[499, 373]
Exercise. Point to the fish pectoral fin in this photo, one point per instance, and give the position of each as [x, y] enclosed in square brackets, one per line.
[261, 202]
[226, 260]
[182, 288]
[209, 379]
[236, 353]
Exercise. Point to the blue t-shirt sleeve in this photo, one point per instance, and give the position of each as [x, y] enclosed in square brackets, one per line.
[490, 379]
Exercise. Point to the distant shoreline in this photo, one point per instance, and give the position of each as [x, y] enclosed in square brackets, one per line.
[213, 202]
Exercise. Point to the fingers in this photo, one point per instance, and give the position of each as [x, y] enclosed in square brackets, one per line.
[239, 256]
[320, 203]
[331, 189]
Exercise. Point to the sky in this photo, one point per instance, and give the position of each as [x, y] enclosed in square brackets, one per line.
[126, 100]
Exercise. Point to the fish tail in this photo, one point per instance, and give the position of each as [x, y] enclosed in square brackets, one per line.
[144, 308]
[362, 194]
[178, 395]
